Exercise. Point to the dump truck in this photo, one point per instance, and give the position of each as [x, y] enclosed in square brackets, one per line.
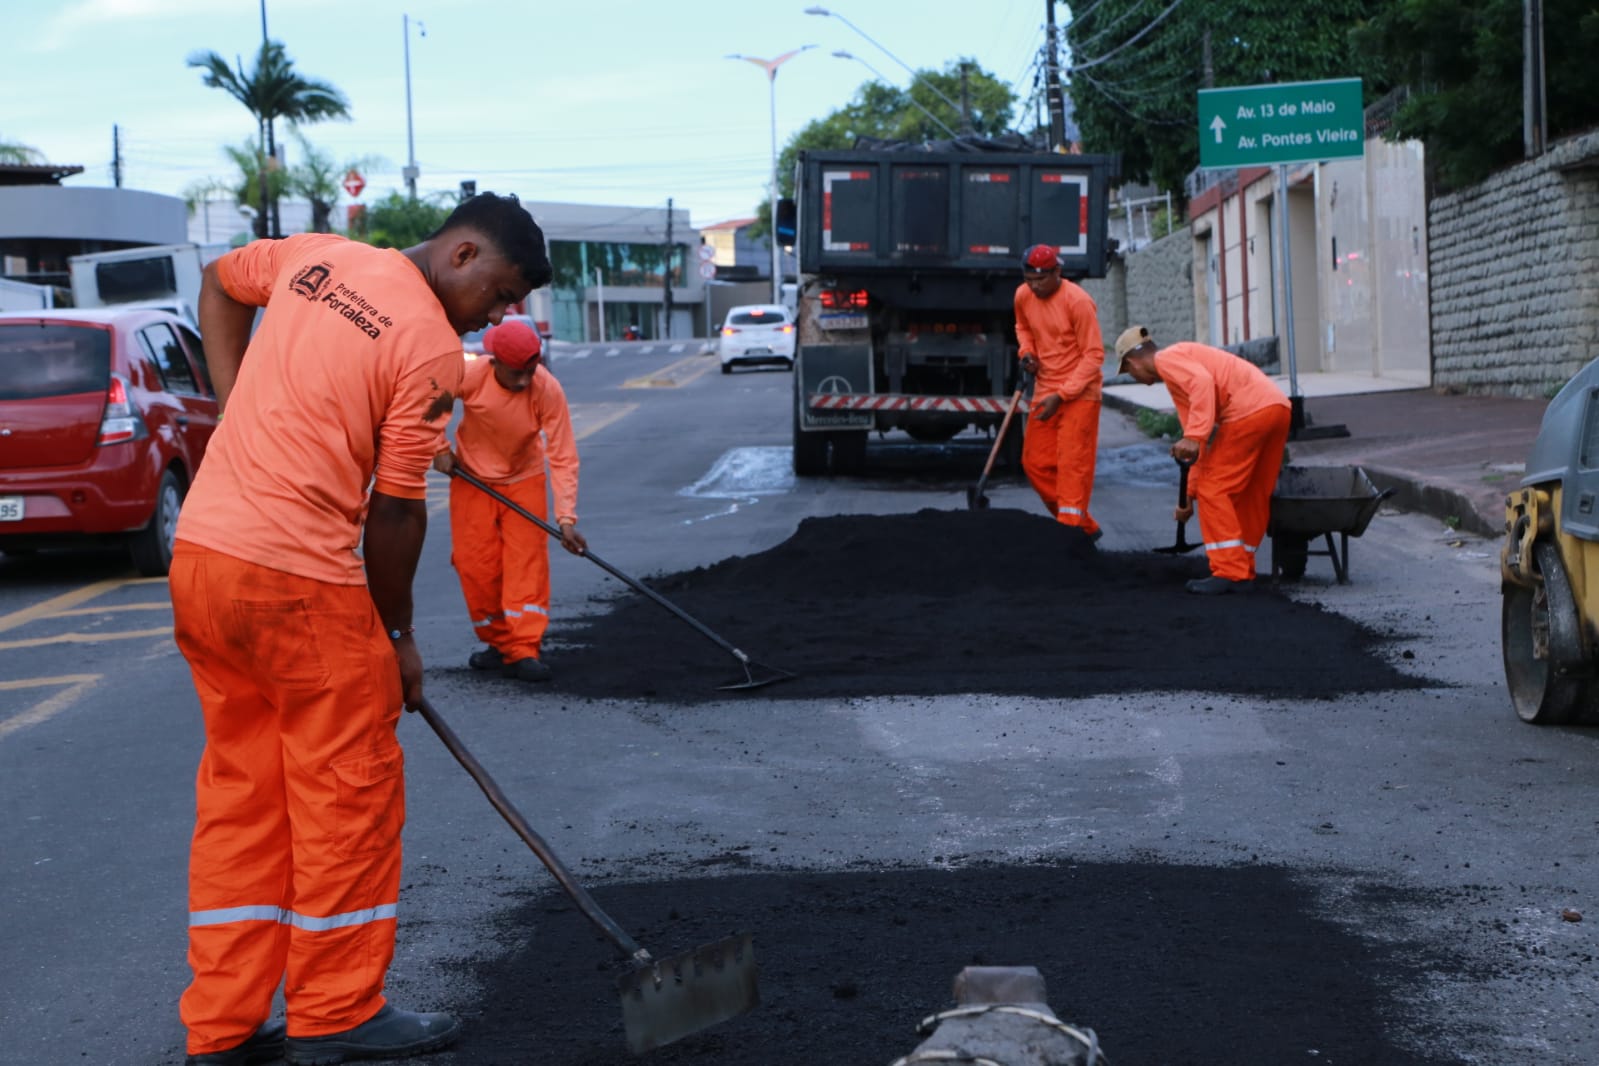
[908, 265]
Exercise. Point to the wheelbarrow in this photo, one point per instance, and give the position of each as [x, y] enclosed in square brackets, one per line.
[1312, 502]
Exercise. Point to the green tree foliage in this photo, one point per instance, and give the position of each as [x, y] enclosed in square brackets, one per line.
[273, 90]
[320, 180]
[397, 221]
[1135, 68]
[1462, 67]
[889, 112]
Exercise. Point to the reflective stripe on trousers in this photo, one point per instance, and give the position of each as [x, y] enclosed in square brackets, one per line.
[284, 916]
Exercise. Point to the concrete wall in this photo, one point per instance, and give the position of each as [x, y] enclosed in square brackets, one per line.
[113, 215]
[1515, 275]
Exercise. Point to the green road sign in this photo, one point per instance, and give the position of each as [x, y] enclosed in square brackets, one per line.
[1290, 122]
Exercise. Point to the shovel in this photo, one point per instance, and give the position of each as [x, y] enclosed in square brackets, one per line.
[767, 674]
[1182, 546]
[975, 500]
[662, 999]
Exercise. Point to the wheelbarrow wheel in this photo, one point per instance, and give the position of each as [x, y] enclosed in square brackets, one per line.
[1290, 555]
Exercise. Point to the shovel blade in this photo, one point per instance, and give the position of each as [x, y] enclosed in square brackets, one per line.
[975, 500]
[681, 995]
[757, 675]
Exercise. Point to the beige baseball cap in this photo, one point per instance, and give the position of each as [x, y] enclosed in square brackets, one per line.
[1131, 337]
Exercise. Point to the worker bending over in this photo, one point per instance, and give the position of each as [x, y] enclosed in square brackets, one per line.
[1058, 340]
[1235, 424]
[502, 559]
[298, 630]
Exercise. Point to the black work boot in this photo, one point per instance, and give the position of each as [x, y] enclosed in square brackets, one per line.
[263, 1045]
[388, 1034]
[527, 670]
[1217, 586]
[488, 658]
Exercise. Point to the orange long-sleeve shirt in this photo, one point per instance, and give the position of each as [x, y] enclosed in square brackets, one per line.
[1211, 386]
[1063, 332]
[499, 435]
[349, 377]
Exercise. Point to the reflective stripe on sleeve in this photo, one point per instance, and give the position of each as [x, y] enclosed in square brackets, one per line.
[284, 916]
[533, 608]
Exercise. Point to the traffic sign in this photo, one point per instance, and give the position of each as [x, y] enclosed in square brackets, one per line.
[707, 270]
[354, 182]
[707, 253]
[1287, 122]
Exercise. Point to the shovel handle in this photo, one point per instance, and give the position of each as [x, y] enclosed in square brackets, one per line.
[993, 453]
[1182, 484]
[585, 903]
[633, 583]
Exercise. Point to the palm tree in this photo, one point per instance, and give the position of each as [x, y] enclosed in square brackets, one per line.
[19, 154]
[273, 90]
[320, 180]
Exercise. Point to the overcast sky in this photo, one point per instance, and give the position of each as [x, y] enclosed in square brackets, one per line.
[620, 102]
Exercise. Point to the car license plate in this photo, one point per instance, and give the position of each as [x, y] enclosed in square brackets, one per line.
[757, 351]
[841, 321]
[10, 508]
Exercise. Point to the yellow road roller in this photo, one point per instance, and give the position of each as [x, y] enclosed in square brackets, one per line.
[1550, 565]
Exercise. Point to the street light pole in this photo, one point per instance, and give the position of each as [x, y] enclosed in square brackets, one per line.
[841, 54]
[410, 173]
[770, 66]
[819, 10]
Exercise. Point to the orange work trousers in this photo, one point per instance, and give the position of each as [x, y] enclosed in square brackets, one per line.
[1232, 485]
[294, 869]
[1058, 458]
[503, 561]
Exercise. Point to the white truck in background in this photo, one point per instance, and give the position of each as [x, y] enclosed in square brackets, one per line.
[22, 296]
[163, 275]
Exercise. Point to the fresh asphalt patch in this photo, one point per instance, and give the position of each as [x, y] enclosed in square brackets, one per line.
[945, 602]
[1167, 963]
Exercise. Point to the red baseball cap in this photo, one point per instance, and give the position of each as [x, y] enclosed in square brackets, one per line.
[513, 343]
[1042, 257]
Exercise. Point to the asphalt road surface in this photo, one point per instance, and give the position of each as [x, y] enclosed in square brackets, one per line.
[1384, 876]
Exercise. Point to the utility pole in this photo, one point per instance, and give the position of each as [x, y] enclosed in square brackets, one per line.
[116, 156]
[1534, 118]
[1207, 71]
[1057, 104]
[666, 275]
[263, 225]
[966, 100]
[410, 172]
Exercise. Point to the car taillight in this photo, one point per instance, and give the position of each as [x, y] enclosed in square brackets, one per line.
[841, 299]
[728, 331]
[788, 328]
[122, 421]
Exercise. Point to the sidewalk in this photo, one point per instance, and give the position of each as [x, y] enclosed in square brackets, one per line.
[1452, 457]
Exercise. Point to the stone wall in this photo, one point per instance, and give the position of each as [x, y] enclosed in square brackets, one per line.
[1515, 275]
[1160, 288]
[1110, 296]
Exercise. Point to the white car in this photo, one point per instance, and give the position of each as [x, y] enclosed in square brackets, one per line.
[756, 333]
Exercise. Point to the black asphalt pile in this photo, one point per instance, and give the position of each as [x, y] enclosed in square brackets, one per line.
[939, 602]
[1168, 964]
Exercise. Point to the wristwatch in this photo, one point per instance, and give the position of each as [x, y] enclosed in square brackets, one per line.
[396, 634]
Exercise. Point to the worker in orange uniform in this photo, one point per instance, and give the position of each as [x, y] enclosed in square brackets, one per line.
[1058, 340]
[1235, 424]
[297, 628]
[503, 560]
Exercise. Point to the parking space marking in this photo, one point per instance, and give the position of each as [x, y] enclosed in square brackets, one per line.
[84, 638]
[76, 685]
[65, 601]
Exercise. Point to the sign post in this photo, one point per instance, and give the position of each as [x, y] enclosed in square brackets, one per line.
[1277, 124]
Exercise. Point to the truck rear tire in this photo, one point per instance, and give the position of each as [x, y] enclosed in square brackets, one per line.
[810, 450]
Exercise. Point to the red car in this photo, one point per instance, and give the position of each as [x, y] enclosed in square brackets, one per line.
[104, 418]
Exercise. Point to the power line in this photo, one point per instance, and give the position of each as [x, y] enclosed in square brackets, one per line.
[1134, 39]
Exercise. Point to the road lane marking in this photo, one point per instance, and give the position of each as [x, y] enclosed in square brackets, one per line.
[77, 685]
[77, 612]
[84, 638]
[670, 376]
[65, 601]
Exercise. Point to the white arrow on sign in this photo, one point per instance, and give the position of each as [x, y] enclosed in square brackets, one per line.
[1218, 125]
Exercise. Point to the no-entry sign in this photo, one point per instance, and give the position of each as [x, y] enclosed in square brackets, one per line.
[1290, 122]
[354, 183]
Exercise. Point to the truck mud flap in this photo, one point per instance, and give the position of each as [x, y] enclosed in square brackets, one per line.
[836, 369]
